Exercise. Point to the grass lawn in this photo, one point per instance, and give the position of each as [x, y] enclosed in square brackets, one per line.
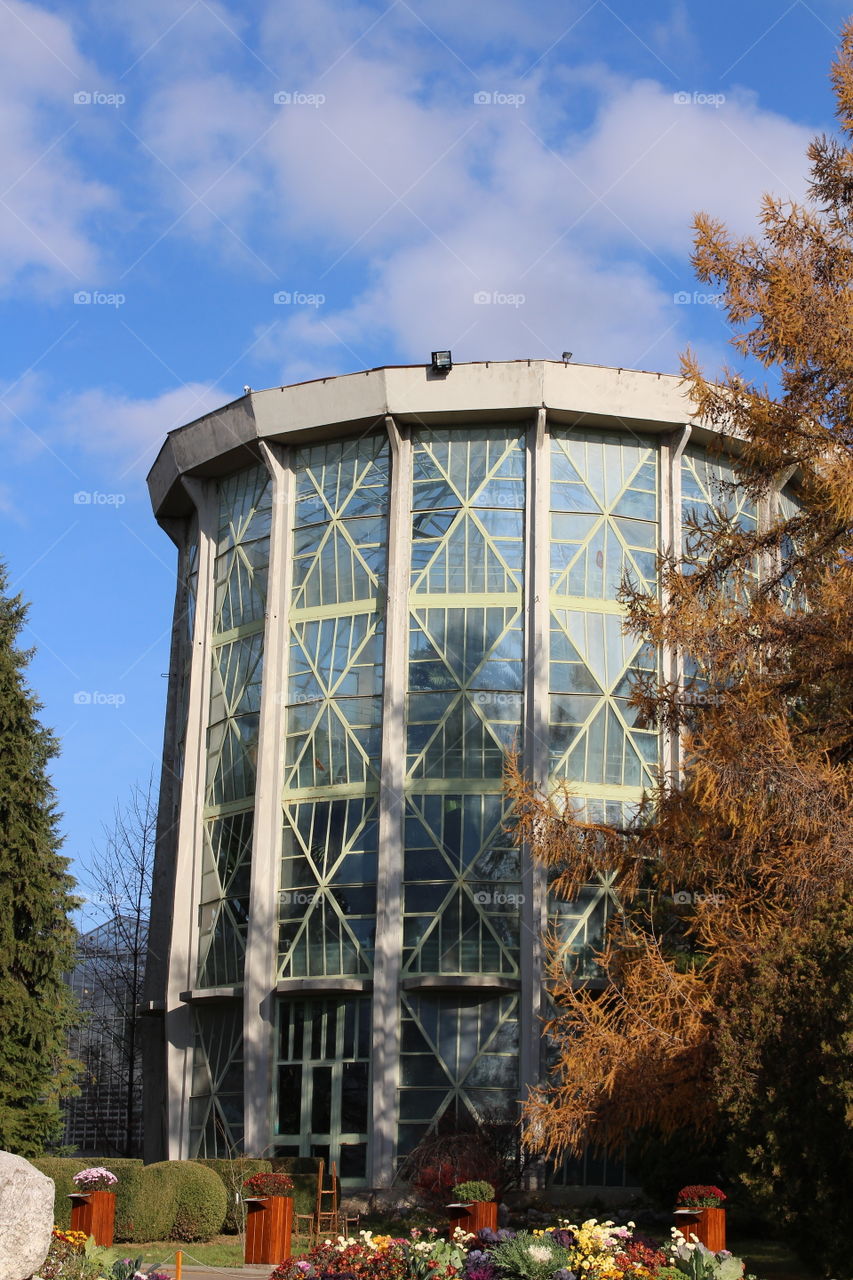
[221, 1251]
[769, 1260]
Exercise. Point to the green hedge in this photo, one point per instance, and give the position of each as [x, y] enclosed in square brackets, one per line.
[128, 1172]
[174, 1199]
[233, 1174]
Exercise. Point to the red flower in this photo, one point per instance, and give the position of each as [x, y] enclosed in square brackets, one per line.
[700, 1197]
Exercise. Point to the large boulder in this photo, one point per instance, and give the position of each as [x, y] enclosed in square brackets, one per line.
[26, 1217]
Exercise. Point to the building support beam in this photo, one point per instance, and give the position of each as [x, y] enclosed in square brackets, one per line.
[262, 939]
[534, 889]
[154, 1068]
[671, 539]
[183, 951]
[389, 887]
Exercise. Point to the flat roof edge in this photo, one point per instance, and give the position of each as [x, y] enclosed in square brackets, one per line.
[227, 438]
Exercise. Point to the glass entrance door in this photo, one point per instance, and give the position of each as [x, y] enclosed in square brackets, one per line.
[324, 1082]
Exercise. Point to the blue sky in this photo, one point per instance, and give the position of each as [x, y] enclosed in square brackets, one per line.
[506, 179]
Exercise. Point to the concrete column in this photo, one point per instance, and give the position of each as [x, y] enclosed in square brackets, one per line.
[154, 1077]
[389, 905]
[782, 478]
[535, 757]
[773, 512]
[183, 951]
[671, 535]
[262, 940]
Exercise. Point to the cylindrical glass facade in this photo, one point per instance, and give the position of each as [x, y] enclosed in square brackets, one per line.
[504, 545]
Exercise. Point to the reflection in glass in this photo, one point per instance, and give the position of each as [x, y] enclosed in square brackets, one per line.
[324, 1080]
[332, 749]
[240, 589]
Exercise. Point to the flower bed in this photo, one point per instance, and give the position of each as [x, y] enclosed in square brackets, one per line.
[74, 1256]
[591, 1250]
[418, 1256]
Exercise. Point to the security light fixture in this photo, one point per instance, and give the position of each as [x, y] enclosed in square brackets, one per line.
[567, 355]
[442, 362]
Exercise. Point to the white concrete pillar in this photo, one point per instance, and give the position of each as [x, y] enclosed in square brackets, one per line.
[535, 757]
[671, 538]
[183, 951]
[154, 1087]
[389, 901]
[262, 938]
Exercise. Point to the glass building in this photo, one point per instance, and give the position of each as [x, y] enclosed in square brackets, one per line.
[385, 581]
[105, 1118]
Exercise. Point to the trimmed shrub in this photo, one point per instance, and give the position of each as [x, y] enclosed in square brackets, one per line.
[175, 1199]
[62, 1170]
[233, 1174]
[201, 1202]
[155, 1204]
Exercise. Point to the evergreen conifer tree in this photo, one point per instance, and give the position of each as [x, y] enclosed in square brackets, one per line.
[36, 935]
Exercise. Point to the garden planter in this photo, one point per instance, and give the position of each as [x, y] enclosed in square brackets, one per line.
[479, 1215]
[94, 1212]
[707, 1225]
[269, 1222]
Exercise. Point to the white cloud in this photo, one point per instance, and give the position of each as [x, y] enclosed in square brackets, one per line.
[125, 429]
[47, 201]
[427, 298]
[201, 129]
[399, 179]
[166, 39]
[657, 161]
[10, 506]
[592, 231]
[396, 191]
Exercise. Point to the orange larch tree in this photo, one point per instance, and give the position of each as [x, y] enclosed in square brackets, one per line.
[736, 863]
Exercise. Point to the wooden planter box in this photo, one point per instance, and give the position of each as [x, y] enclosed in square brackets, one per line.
[708, 1225]
[269, 1223]
[94, 1212]
[477, 1216]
